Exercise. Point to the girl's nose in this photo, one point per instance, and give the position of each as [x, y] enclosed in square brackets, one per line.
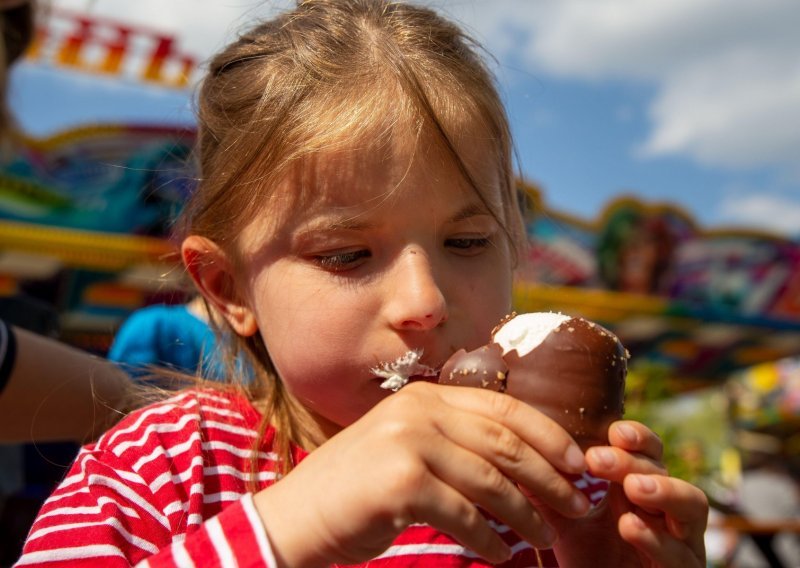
[416, 302]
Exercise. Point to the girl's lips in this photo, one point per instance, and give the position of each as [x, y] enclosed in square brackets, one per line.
[434, 378]
[424, 378]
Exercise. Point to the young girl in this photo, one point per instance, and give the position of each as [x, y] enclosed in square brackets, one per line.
[357, 202]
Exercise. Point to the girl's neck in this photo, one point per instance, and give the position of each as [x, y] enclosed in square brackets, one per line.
[310, 431]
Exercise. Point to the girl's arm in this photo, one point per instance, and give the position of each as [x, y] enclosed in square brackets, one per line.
[648, 519]
[56, 392]
[427, 454]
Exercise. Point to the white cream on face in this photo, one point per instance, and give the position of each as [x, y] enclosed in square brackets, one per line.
[397, 373]
[525, 332]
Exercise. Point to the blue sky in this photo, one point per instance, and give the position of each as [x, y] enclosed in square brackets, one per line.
[692, 102]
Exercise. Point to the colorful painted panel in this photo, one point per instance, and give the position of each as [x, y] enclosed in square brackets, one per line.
[701, 303]
[117, 179]
[640, 248]
[93, 44]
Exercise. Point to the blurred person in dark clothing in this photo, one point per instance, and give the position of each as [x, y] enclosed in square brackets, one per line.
[48, 390]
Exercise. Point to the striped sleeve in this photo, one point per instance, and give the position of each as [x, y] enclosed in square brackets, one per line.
[234, 538]
[99, 513]
[145, 494]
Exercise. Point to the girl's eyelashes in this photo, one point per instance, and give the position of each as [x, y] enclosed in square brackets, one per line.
[341, 261]
[468, 245]
[348, 259]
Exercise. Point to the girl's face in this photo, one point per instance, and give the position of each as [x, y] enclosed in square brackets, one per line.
[393, 252]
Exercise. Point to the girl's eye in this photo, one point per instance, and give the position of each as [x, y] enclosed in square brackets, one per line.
[468, 245]
[341, 261]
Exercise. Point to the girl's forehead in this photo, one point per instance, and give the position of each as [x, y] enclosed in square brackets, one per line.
[377, 170]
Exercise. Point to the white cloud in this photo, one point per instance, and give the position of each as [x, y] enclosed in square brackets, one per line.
[744, 113]
[772, 212]
[727, 74]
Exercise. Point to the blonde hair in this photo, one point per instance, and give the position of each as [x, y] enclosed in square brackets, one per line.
[323, 75]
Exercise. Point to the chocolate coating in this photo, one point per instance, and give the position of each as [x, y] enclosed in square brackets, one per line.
[576, 375]
[483, 368]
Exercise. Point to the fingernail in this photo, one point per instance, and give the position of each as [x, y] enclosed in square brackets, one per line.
[646, 484]
[605, 456]
[579, 504]
[637, 521]
[575, 459]
[628, 433]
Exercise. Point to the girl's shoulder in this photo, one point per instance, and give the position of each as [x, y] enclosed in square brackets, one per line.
[176, 444]
[192, 414]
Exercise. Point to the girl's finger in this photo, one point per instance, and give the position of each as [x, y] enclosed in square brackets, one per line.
[506, 455]
[637, 438]
[646, 534]
[614, 464]
[537, 430]
[684, 506]
[446, 509]
[482, 483]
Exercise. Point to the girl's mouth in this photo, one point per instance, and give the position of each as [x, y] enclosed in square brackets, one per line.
[396, 374]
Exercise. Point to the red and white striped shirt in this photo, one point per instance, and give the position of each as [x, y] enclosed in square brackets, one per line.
[167, 486]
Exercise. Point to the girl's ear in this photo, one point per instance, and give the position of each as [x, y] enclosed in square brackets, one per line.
[213, 274]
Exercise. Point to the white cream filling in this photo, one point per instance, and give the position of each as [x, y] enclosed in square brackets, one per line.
[396, 373]
[525, 332]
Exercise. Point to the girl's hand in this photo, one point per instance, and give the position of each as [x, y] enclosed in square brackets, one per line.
[648, 518]
[427, 454]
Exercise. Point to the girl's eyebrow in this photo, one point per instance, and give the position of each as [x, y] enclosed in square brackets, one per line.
[326, 223]
[470, 210]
